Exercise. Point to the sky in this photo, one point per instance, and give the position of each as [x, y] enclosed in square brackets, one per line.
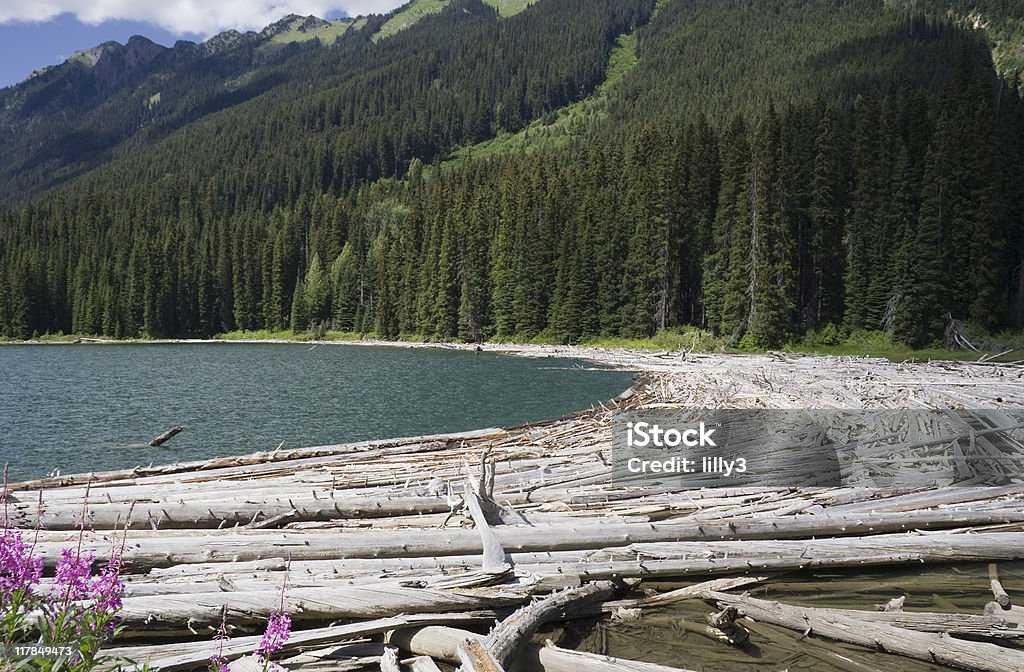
[38, 33]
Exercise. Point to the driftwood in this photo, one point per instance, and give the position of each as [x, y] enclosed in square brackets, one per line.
[421, 664]
[1002, 599]
[505, 640]
[230, 546]
[185, 656]
[475, 658]
[895, 604]
[494, 559]
[839, 625]
[311, 604]
[724, 622]
[389, 660]
[440, 643]
[1012, 615]
[165, 437]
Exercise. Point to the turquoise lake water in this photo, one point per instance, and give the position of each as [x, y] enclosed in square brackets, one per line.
[79, 408]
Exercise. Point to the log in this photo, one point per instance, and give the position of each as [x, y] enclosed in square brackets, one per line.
[306, 604]
[440, 644]
[475, 658]
[158, 441]
[1002, 599]
[188, 655]
[355, 657]
[511, 634]
[839, 625]
[389, 660]
[421, 664]
[148, 552]
[895, 604]
[494, 558]
[1014, 614]
[724, 622]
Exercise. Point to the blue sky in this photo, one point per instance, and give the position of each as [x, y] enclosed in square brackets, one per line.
[36, 34]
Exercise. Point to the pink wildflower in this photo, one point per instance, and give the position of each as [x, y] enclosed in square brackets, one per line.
[279, 628]
[18, 569]
[73, 577]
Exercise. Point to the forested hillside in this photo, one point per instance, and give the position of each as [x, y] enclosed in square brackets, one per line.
[759, 170]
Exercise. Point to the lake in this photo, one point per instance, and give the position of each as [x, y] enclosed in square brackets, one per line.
[80, 408]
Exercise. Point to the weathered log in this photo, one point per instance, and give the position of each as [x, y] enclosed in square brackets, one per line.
[147, 552]
[839, 625]
[355, 657]
[475, 658]
[1001, 597]
[494, 558]
[895, 604]
[389, 660]
[188, 655]
[421, 664]
[440, 643]
[160, 440]
[505, 640]
[1014, 614]
[310, 604]
[724, 622]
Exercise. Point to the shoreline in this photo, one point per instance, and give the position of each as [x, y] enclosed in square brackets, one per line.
[613, 357]
[611, 354]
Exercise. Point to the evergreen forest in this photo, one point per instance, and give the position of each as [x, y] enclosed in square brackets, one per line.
[580, 168]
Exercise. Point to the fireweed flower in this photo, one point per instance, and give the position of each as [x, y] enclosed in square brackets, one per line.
[107, 589]
[279, 628]
[218, 664]
[19, 571]
[73, 576]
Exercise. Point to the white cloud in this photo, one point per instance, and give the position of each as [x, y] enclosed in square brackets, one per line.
[201, 17]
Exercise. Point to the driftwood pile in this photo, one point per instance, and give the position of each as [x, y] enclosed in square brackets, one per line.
[396, 552]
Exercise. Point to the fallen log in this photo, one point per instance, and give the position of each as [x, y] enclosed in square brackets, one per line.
[158, 441]
[389, 660]
[505, 640]
[440, 643]
[1001, 597]
[421, 664]
[728, 630]
[147, 552]
[182, 656]
[475, 658]
[308, 604]
[1014, 614]
[839, 625]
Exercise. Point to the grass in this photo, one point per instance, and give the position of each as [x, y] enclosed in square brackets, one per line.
[622, 59]
[673, 339]
[326, 35]
[863, 343]
[288, 335]
[857, 344]
[509, 7]
[566, 123]
[408, 15]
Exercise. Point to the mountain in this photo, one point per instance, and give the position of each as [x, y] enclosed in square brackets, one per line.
[67, 119]
[559, 169]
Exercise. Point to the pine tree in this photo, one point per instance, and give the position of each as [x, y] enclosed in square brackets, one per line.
[827, 217]
[345, 275]
[771, 273]
[724, 290]
[299, 308]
